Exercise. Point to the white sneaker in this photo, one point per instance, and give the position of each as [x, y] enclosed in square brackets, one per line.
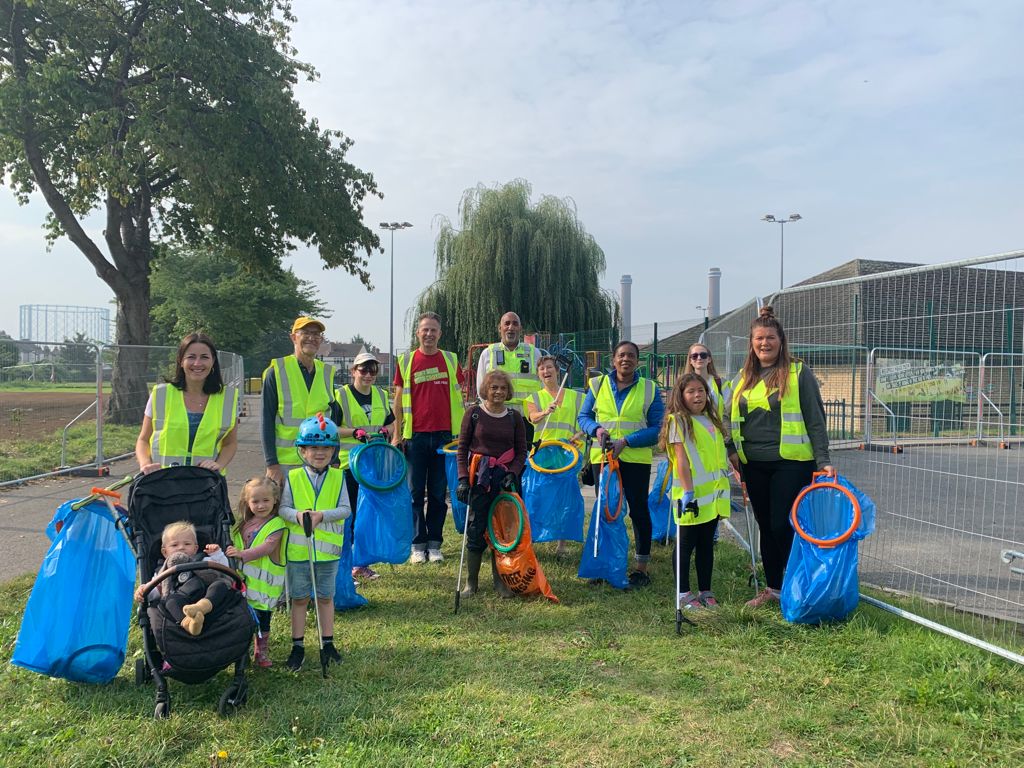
[418, 556]
[435, 556]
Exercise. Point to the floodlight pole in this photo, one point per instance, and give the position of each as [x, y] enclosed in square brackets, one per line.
[392, 226]
[782, 238]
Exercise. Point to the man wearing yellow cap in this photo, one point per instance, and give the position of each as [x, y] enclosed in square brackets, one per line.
[294, 388]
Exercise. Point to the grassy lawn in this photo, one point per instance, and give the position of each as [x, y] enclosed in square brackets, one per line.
[600, 680]
[46, 386]
[27, 457]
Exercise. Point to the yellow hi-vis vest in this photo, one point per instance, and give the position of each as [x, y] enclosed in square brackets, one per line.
[618, 424]
[718, 396]
[524, 384]
[455, 394]
[295, 402]
[353, 416]
[327, 537]
[709, 469]
[169, 443]
[561, 424]
[794, 442]
[264, 576]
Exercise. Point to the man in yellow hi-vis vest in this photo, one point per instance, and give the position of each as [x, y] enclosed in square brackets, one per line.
[295, 387]
[428, 411]
[515, 357]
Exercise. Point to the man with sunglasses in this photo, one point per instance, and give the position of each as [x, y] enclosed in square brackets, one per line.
[365, 408]
[295, 387]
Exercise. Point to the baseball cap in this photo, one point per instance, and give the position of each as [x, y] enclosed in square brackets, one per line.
[305, 322]
[364, 357]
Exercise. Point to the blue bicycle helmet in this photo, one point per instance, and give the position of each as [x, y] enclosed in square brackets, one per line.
[318, 430]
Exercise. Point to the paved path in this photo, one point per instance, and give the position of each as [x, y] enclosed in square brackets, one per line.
[25, 510]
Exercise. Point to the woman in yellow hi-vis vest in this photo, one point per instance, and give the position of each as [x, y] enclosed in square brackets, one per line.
[190, 420]
[777, 421]
[626, 407]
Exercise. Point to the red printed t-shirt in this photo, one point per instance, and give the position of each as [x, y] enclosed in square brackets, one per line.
[431, 403]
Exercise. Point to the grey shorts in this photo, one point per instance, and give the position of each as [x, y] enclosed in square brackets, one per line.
[298, 578]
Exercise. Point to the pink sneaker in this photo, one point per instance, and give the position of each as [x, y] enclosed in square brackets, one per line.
[708, 600]
[763, 597]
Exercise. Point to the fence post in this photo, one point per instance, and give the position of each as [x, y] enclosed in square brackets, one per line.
[867, 398]
[1008, 345]
[99, 405]
[654, 361]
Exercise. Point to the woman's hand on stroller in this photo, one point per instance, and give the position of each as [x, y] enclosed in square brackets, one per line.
[210, 464]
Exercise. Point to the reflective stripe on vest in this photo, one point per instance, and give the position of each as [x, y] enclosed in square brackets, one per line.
[631, 418]
[295, 402]
[794, 442]
[454, 393]
[169, 443]
[523, 384]
[264, 578]
[561, 425]
[709, 470]
[353, 416]
[328, 538]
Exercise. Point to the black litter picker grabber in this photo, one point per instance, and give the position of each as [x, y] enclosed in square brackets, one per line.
[307, 528]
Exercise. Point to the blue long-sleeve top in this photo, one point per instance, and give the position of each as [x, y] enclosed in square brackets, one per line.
[641, 438]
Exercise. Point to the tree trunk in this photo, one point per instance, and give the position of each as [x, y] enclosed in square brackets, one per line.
[130, 377]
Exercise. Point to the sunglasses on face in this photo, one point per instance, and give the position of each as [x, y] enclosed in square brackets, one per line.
[699, 355]
[368, 369]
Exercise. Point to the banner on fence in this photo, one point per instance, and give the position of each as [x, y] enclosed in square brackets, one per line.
[918, 381]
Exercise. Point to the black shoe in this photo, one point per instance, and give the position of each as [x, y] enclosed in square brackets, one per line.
[295, 658]
[639, 579]
[331, 654]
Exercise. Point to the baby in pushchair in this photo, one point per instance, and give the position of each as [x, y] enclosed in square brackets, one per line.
[189, 597]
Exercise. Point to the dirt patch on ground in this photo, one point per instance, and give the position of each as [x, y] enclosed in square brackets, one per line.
[30, 414]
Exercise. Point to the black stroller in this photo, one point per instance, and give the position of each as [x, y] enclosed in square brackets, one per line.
[198, 496]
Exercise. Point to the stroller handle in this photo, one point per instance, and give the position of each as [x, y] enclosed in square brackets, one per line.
[150, 585]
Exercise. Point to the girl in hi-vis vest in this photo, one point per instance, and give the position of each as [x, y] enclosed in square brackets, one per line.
[256, 541]
[694, 439]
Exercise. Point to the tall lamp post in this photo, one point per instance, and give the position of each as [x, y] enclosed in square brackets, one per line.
[782, 237]
[392, 226]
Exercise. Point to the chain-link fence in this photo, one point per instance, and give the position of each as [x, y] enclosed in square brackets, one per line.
[72, 407]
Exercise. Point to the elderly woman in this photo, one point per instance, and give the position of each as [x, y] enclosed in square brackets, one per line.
[190, 420]
[778, 429]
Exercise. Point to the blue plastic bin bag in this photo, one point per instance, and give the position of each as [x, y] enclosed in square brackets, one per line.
[451, 471]
[553, 498]
[77, 618]
[659, 502]
[821, 581]
[612, 555]
[383, 528]
[345, 595]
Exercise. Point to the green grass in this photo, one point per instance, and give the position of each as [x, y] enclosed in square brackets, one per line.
[47, 386]
[26, 457]
[600, 680]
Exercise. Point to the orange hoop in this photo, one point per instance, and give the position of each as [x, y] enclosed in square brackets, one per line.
[612, 465]
[841, 538]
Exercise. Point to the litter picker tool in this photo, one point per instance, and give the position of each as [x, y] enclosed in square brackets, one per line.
[307, 528]
[465, 531]
[748, 513]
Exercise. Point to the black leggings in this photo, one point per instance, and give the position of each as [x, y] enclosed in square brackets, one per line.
[773, 487]
[699, 539]
[192, 591]
[636, 482]
[264, 619]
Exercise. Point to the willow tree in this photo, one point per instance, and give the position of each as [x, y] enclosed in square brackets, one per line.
[177, 119]
[509, 255]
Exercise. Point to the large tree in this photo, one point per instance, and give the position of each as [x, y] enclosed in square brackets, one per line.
[245, 310]
[176, 118]
[509, 255]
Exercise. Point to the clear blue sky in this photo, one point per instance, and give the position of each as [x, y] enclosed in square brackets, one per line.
[894, 129]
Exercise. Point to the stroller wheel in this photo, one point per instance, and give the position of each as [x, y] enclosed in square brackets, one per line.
[142, 672]
[234, 697]
[163, 710]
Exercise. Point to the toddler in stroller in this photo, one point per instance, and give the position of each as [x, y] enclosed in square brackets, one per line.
[202, 623]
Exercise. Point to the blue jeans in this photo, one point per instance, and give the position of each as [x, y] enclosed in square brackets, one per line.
[427, 476]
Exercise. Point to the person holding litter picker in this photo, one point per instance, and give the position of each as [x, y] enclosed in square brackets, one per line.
[778, 426]
[694, 439]
[315, 505]
[625, 407]
[491, 458]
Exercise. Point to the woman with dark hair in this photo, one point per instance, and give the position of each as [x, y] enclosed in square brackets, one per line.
[190, 420]
[778, 429]
[624, 407]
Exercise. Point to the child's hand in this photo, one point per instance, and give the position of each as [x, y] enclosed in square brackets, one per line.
[315, 517]
[211, 549]
[231, 551]
[138, 594]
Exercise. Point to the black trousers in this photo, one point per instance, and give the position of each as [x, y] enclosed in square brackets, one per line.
[699, 539]
[636, 482]
[773, 487]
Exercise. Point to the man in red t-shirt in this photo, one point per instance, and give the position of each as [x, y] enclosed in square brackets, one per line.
[428, 411]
